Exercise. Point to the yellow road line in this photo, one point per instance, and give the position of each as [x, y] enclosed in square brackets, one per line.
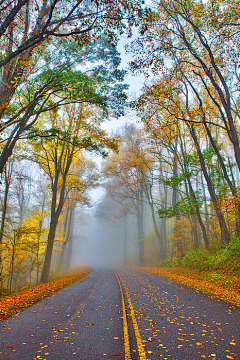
[125, 325]
[141, 350]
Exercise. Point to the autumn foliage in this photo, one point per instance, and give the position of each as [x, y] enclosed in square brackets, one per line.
[202, 282]
[176, 175]
[10, 305]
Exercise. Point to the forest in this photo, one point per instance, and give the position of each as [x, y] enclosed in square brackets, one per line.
[169, 177]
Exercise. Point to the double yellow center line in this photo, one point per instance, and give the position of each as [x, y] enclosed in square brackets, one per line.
[140, 347]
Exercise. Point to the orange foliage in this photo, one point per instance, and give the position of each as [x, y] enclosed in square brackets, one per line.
[190, 278]
[9, 305]
[230, 204]
[181, 237]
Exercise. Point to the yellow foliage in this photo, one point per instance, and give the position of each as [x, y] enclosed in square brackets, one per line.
[26, 243]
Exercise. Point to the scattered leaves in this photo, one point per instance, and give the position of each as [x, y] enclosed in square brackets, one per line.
[191, 278]
[10, 305]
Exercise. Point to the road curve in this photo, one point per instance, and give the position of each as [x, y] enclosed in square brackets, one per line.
[123, 314]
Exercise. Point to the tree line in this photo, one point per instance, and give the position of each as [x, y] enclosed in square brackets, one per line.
[182, 165]
[177, 174]
[59, 79]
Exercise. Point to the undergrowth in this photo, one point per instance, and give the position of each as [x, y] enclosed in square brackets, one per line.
[220, 266]
[224, 259]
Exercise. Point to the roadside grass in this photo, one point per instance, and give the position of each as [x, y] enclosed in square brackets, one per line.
[10, 305]
[216, 273]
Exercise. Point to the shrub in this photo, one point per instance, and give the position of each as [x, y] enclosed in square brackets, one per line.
[204, 260]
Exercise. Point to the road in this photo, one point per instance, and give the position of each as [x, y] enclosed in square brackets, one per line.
[123, 314]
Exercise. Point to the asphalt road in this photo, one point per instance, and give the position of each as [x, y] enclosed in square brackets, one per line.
[123, 314]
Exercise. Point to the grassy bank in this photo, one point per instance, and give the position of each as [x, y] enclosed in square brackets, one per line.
[10, 305]
[213, 272]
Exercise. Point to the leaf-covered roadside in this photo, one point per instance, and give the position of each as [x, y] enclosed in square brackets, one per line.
[198, 280]
[9, 305]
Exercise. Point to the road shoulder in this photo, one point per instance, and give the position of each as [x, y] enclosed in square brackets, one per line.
[194, 280]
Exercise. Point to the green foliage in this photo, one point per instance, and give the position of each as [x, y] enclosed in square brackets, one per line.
[64, 136]
[227, 258]
[99, 80]
[184, 207]
[191, 159]
[200, 259]
[174, 181]
[208, 154]
[67, 72]
[215, 171]
[233, 248]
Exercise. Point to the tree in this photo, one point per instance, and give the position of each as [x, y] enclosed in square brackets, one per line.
[131, 177]
[23, 251]
[26, 25]
[55, 150]
[57, 82]
[84, 176]
[171, 104]
[200, 41]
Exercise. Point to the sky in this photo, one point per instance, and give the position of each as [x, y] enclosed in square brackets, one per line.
[135, 83]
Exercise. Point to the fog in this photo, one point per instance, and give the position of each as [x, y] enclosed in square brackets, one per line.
[98, 236]
[98, 233]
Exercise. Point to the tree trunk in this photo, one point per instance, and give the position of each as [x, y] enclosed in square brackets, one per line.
[192, 215]
[162, 252]
[225, 236]
[204, 232]
[8, 174]
[70, 239]
[56, 209]
[50, 241]
[4, 211]
[225, 174]
[125, 256]
[12, 262]
[175, 196]
[140, 225]
[164, 199]
[65, 231]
